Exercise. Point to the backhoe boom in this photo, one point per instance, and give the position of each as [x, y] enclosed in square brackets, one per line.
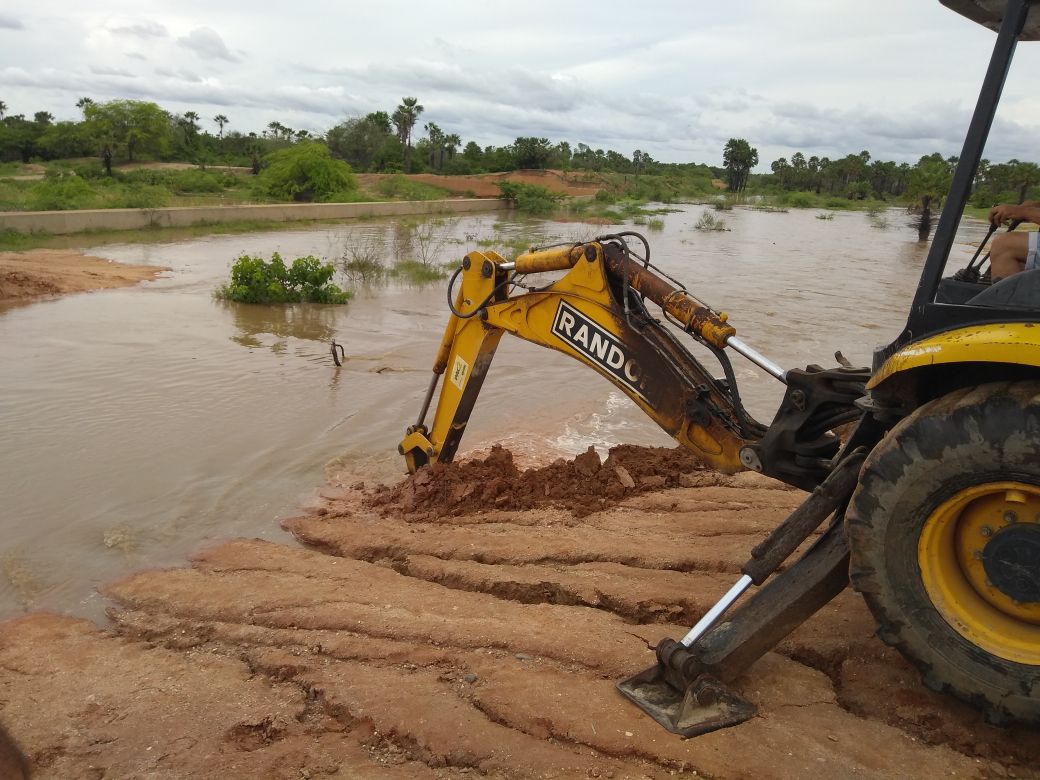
[595, 314]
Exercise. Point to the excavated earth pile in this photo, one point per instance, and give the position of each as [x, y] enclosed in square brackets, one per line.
[444, 628]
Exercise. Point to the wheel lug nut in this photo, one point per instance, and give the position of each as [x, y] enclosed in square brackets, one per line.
[986, 531]
[1010, 517]
[977, 555]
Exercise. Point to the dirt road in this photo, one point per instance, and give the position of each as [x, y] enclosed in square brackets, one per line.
[39, 273]
[472, 622]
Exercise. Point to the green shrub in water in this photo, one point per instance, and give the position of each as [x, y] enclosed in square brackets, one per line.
[709, 221]
[414, 272]
[255, 280]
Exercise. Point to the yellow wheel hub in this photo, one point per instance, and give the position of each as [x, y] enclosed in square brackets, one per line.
[963, 552]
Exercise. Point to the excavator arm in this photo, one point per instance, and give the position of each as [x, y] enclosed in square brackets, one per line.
[596, 314]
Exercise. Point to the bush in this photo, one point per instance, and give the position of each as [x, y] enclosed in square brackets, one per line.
[196, 181]
[89, 170]
[139, 196]
[401, 187]
[306, 172]
[838, 203]
[531, 198]
[360, 261]
[415, 272]
[801, 200]
[709, 221]
[255, 280]
[60, 194]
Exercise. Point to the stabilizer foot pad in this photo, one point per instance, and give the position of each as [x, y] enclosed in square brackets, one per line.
[706, 705]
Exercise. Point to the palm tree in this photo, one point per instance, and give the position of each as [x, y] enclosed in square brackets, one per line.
[1024, 176]
[3, 109]
[220, 120]
[404, 118]
[452, 141]
[190, 124]
[738, 158]
[83, 103]
[436, 137]
[929, 181]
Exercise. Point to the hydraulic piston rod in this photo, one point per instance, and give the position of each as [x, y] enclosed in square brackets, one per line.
[757, 358]
[695, 316]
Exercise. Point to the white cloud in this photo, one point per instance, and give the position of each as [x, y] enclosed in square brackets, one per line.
[138, 28]
[207, 44]
[102, 70]
[673, 78]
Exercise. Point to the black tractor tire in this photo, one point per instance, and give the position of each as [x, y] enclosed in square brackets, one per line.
[971, 437]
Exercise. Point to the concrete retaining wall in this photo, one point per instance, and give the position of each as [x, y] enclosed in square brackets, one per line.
[130, 219]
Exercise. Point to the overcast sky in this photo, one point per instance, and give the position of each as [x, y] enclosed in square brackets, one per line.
[828, 77]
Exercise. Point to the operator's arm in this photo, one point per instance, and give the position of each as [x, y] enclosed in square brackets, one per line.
[1009, 212]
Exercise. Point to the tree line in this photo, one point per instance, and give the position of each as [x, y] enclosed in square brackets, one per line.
[397, 141]
[381, 141]
[860, 177]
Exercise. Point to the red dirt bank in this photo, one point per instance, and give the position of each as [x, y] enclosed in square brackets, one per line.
[41, 273]
[420, 638]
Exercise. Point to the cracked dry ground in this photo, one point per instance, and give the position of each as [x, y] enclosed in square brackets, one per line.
[475, 625]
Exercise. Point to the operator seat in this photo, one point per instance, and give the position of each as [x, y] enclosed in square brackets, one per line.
[1018, 291]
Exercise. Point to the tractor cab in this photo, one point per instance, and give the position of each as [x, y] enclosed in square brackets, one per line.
[963, 319]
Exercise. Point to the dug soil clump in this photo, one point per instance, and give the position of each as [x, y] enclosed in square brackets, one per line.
[583, 485]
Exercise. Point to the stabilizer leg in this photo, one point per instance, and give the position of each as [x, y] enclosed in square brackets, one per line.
[686, 690]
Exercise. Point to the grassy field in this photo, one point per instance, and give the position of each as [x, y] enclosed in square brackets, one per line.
[81, 184]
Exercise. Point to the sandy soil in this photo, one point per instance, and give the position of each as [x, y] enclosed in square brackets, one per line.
[484, 185]
[39, 273]
[472, 622]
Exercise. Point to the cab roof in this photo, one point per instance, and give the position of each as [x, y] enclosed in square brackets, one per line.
[990, 12]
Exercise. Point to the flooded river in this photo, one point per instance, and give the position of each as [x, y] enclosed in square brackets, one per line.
[139, 423]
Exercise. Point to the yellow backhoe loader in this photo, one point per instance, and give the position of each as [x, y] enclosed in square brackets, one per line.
[931, 503]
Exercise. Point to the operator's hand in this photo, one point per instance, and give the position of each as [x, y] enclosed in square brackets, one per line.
[1005, 212]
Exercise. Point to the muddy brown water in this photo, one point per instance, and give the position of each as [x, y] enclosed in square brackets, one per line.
[140, 423]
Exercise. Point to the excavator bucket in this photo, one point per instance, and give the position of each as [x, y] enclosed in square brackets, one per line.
[703, 706]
